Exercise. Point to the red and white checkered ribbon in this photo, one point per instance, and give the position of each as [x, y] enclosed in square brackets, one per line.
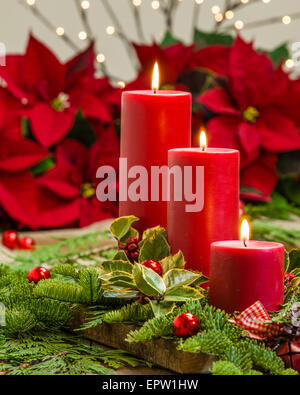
[256, 321]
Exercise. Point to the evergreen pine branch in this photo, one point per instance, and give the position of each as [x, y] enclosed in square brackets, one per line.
[130, 314]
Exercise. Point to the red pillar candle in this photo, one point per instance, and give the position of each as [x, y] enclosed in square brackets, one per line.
[218, 219]
[243, 273]
[152, 122]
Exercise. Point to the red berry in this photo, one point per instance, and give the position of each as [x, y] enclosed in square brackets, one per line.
[26, 243]
[289, 277]
[38, 273]
[154, 265]
[135, 256]
[132, 247]
[10, 239]
[185, 325]
[127, 253]
[132, 240]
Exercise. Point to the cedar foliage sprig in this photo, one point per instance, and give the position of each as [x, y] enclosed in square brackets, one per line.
[67, 249]
[217, 337]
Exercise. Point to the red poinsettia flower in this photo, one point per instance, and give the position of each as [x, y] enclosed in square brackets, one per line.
[18, 191]
[68, 191]
[51, 92]
[252, 117]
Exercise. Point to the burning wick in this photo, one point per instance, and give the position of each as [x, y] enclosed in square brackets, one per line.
[155, 78]
[245, 232]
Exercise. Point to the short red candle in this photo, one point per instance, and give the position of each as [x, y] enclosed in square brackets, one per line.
[193, 232]
[241, 276]
[151, 124]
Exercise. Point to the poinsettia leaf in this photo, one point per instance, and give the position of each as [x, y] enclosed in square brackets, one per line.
[289, 163]
[168, 40]
[291, 189]
[280, 54]
[160, 308]
[156, 247]
[182, 294]
[294, 258]
[173, 262]
[121, 226]
[119, 265]
[43, 166]
[178, 277]
[147, 281]
[121, 293]
[203, 39]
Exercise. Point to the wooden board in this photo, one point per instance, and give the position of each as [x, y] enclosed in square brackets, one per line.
[160, 352]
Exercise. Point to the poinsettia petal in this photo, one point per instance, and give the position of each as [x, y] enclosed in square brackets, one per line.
[223, 132]
[81, 65]
[50, 126]
[18, 197]
[91, 210]
[91, 106]
[261, 176]
[218, 101]
[249, 71]
[213, 57]
[19, 154]
[55, 212]
[40, 64]
[279, 133]
[250, 140]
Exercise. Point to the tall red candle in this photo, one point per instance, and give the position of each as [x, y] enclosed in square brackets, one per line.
[241, 276]
[193, 232]
[152, 123]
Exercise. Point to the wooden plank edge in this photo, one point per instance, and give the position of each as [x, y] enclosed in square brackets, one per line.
[160, 352]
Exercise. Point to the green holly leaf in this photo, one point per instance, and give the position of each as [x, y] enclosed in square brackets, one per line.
[280, 54]
[153, 231]
[173, 262]
[122, 281]
[147, 281]
[121, 293]
[155, 247]
[121, 227]
[161, 308]
[121, 256]
[203, 39]
[112, 266]
[178, 277]
[182, 294]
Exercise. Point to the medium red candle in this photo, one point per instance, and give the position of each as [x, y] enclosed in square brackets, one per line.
[152, 122]
[244, 272]
[193, 232]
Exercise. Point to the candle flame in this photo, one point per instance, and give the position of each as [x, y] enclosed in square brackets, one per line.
[155, 77]
[203, 140]
[245, 231]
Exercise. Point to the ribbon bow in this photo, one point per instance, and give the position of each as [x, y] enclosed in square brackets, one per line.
[257, 323]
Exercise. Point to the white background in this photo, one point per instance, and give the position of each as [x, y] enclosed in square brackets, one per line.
[16, 22]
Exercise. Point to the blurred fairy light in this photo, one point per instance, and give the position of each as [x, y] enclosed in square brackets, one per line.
[100, 58]
[216, 9]
[155, 4]
[60, 31]
[30, 2]
[219, 17]
[137, 3]
[244, 1]
[286, 20]
[266, 1]
[239, 25]
[110, 30]
[229, 14]
[289, 63]
[199, 1]
[85, 5]
[82, 35]
[121, 84]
